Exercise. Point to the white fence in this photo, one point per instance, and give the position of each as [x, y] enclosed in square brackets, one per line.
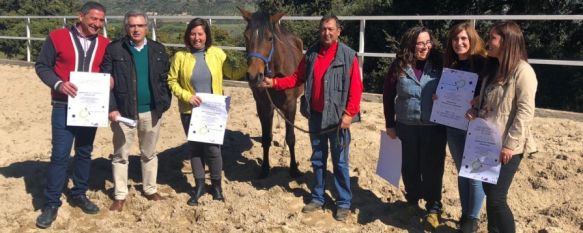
[361, 40]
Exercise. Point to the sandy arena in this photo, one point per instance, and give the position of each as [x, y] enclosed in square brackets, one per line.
[546, 195]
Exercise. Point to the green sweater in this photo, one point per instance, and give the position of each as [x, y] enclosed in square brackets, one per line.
[144, 89]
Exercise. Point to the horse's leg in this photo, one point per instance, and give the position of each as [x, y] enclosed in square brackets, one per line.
[265, 113]
[290, 136]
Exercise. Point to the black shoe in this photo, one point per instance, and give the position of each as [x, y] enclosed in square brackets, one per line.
[198, 191]
[342, 214]
[46, 218]
[463, 219]
[469, 226]
[85, 204]
[217, 190]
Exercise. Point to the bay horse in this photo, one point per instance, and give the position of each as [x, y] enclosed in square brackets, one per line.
[272, 51]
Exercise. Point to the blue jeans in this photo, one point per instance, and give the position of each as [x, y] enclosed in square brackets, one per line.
[339, 147]
[62, 141]
[470, 190]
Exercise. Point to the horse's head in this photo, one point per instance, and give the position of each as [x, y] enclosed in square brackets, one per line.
[260, 44]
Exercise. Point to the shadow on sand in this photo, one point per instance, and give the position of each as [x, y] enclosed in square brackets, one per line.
[236, 167]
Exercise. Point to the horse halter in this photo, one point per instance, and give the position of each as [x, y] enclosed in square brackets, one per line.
[265, 60]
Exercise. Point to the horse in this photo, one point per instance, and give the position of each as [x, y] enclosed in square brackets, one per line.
[272, 51]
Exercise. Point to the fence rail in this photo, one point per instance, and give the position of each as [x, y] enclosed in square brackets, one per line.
[362, 28]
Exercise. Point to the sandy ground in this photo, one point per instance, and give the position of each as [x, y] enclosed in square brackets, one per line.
[546, 195]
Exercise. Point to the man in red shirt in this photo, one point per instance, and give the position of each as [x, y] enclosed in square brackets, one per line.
[333, 87]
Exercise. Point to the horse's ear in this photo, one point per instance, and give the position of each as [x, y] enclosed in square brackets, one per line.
[276, 17]
[246, 14]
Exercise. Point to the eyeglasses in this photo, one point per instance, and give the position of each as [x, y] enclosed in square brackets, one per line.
[137, 25]
[423, 44]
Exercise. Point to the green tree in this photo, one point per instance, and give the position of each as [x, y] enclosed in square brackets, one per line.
[39, 27]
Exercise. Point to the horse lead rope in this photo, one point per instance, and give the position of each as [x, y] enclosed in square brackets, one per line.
[337, 127]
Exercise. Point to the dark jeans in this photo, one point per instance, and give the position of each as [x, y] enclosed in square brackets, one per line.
[63, 137]
[201, 153]
[423, 163]
[339, 147]
[500, 218]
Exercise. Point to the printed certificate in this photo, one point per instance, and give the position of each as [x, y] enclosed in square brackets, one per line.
[390, 157]
[209, 120]
[90, 107]
[481, 158]
[454, 93]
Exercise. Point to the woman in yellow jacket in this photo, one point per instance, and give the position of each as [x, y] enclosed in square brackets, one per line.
[199, 69]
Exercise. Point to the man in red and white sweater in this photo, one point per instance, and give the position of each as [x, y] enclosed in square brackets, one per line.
[76, 48]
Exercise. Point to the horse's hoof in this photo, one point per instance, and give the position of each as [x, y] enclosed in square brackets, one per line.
[294, 173]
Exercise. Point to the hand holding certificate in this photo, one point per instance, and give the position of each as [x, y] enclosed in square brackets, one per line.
[91, 104]
[481, 159]
[454, 93]
[208, 121]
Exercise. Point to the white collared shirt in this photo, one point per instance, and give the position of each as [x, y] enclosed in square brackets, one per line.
[133, 44]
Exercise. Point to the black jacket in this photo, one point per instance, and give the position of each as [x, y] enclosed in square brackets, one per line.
[118, 61]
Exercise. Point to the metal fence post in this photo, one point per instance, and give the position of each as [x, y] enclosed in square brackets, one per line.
[28, 44]
[64, 22]
[361, 45]
[105, 28]
[154, 30]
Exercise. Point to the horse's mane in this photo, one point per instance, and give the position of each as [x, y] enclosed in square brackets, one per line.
[261, 20]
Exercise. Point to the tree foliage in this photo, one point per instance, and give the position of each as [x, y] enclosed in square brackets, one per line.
[39, 28]
[560, 87]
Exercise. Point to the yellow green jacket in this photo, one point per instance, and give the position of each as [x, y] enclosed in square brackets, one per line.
[181, 70]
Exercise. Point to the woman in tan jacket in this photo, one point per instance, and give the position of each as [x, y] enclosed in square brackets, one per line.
[507, 99]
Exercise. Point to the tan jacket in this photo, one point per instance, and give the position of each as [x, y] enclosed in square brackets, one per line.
[510, 105]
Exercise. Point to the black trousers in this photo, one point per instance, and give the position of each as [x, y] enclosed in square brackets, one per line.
[423, 163]
[500, 218]
[203, 153]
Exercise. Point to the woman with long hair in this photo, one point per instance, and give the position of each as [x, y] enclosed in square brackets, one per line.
[407, 100]
[199, 69]
[507, 98]
[465, 51]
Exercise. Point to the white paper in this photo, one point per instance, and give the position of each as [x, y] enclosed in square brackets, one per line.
[390, 158]
[129, 122]
[481, 158]
[454, 93]
[90, 107]
[209, 120]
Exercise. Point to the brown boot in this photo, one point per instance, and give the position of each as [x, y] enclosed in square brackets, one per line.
[154, 197]
[117, 205]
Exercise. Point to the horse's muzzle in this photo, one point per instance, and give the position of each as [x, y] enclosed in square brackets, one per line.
[255, 81]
